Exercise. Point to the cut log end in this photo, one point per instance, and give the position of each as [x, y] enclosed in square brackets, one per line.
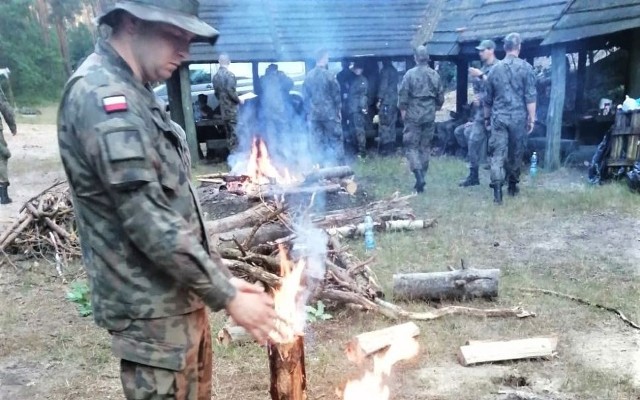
[286, 365]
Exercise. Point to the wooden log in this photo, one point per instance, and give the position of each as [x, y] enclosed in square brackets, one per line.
[482, 352]
[266, 233]
[267, 262]
[287, 370]
[14, 234]
[215, 175]
[350, 231]
[456, 285]
[556, 106]
[240, 220]
[294, 191]
[366, 344]
[383, 210]
[257, 273]
[329, 173]
[234, 335]
[14, 226]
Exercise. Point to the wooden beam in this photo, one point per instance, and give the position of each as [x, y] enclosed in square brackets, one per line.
[581, 75]
[462, 84]
[556, 106]
[255, 72]
[175, 98]
[633, 89]
[181, 107]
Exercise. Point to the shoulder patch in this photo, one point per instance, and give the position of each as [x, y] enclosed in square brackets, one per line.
[114, 104]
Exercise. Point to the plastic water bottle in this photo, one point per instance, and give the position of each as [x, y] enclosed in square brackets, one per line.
[533, 169]
[369, 241]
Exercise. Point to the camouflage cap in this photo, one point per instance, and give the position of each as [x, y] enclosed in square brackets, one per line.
[421, 53]
[180, 13]
[486, 44]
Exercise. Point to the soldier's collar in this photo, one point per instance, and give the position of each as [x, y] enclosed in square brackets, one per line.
[105, 49]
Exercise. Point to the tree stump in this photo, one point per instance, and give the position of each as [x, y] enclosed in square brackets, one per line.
[288, 376]
[450, 285]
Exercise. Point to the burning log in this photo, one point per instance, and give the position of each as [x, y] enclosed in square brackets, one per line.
[366, 344]
[286, 366]
[351, 231]
[458, 284]
[329, 173]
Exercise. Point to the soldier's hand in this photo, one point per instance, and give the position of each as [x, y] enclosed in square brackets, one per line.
[475, 72]
[530, 126]
[255, 313]
[364, 111]
[487, 124]
[243, 286]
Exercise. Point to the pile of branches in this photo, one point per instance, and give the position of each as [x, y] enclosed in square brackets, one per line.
[45, 227]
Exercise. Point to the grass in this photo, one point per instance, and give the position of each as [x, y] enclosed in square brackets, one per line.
[560, 234]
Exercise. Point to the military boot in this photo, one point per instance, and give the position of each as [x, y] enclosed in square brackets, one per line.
[513, 189]
[497, 193]
[420, 183]
[472, 179]
[4, 194]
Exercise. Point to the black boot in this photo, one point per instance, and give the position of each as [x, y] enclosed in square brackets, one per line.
[472, 179]
[419, 186]
[4, 195]
[497, 194]
[513, 189]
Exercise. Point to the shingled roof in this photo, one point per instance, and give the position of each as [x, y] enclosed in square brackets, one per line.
[292, 30]
[589, 18]
[455, 15]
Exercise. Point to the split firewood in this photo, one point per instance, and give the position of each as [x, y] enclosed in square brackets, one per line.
[350, 231]
[366, 344]
[17, 231]
[329, 173]
[482, 352]
[240, 220]
[456, 285]
[234, 335]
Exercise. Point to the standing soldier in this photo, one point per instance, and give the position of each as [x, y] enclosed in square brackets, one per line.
[420, 95]
[478, 133]
[387, 108]
[510, 112]
[224, 86]
[274, 101]
[345, 77]
[322, 102]
[357, 108]
[144, 243]
[5, 154]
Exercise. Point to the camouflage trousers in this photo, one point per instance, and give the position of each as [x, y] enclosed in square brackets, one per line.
[357, 133]
[506, 148]
[417, 144]
[166, 358]
[230, 133]
[388, 115]
[477, 142]
[462, 134]
[5, 154]
[327, 137]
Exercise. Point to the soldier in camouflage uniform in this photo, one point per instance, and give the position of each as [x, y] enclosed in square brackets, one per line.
[274, 101]
[478, 134]
[144, 244]
[510, 111]
[5, 154]
[357, 109]
[387, 108]
[322, 103]
[420, 95]
[224, 86]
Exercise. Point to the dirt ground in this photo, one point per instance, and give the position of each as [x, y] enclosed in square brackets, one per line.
[561, 235]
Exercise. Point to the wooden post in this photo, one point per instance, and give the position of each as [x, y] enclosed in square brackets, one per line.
[556, 106]
[255, 72]
[288, 376]
[181, 107]
[581, 75]
[462, 84]
[633, 89]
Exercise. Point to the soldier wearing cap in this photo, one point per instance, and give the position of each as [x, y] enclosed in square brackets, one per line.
[388, 107]
[478, 134]
[357, 109]
[224, 85]
[510, 111]
[144, 244]
[420, 95]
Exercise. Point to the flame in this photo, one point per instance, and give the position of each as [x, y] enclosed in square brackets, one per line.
[373, 386]
[287, 299]
[261, 169]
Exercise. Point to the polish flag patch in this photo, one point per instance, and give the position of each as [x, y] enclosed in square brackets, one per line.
[115, 104]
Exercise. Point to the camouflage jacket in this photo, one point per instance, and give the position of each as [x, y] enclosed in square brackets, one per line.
[224, 86]
[274, 94]
[322, 95]
[420, 94]
[345, 77]
[357, 100]
[143, 239]
[479, 89]
[8, 115]
[388, 90]
[510, 86]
